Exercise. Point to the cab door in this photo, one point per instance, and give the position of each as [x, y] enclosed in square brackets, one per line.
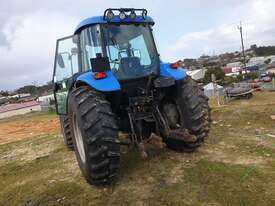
[65, 66]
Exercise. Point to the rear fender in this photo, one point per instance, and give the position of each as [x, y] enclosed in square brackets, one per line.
[167, 71]
[108, 84]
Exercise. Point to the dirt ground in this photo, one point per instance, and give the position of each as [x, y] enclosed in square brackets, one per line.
[235, 166]
[25, 126]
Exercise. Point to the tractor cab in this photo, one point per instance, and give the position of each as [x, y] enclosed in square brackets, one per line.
[124, 41]
[129, 49]
[107, 50]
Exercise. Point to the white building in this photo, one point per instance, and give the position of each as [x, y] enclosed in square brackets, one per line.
[196, 74]
[234, 64]
[256, 61]
[46, 98]
[272, 58]
[20, 95]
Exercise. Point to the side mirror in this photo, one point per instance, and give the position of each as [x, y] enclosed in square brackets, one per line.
[60, 61]
[75, 39]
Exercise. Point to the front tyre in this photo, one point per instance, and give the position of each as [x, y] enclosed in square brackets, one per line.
[95, 135]
[66, 131]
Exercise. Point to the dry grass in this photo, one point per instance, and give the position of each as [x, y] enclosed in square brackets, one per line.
[236, 166]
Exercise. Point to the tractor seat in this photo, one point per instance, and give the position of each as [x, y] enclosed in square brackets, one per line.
[130, 65]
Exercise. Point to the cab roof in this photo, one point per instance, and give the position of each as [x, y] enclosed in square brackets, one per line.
[100, 20]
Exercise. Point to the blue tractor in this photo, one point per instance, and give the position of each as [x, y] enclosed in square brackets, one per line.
[108, 77]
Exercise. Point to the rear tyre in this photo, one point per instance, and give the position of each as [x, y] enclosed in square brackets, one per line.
[95, 135]
[66, 131]
[194, 115]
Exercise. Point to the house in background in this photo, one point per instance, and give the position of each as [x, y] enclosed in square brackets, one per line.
[3, 100]
[46, 98]
[45, 102]
[254, 68]
[256, 61]
[197, 74]
[23, 97]
[234, 64]
[231, 71]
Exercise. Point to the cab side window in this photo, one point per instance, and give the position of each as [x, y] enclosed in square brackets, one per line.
[90, 45]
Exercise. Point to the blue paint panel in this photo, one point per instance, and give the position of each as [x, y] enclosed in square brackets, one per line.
[107, 84]
[167, 71]
[116, 19]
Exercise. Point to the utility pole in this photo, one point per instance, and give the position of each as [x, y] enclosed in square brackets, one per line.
[241, 32]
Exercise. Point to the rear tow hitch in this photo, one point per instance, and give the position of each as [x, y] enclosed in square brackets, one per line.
[154, 140]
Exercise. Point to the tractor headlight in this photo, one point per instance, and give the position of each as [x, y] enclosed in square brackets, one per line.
[144, 14]
[133, 15]
[110, 15]
[122, 15]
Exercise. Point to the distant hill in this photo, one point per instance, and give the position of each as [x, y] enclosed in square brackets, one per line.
[36, 90]
[265, 50]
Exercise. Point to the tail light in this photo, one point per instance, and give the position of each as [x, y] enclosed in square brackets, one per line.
[100, 75]
[175, 65]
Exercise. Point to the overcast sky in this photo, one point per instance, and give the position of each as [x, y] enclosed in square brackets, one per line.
[184, 28]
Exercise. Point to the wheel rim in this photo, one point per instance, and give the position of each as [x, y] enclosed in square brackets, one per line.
[79, 139]
[171, 115]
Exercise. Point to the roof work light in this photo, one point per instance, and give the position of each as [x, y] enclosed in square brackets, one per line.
[133, 14]
[144, 14]
[110, 15]
[122, 15]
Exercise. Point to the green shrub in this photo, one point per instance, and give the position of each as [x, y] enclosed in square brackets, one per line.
[217, 71]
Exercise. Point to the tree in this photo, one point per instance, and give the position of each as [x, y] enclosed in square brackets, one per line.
[211, 64]
[228, 80]
[27, 89]
[265, 50]
[217, 71]
[36, 90]
[4, 93]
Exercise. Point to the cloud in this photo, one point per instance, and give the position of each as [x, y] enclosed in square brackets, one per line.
[29, 29]
[216, 40]
[29, 56]
[3, 40]
[28, 34]
[258, 28]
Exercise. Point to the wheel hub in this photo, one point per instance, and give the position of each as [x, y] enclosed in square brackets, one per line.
[172, 115]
